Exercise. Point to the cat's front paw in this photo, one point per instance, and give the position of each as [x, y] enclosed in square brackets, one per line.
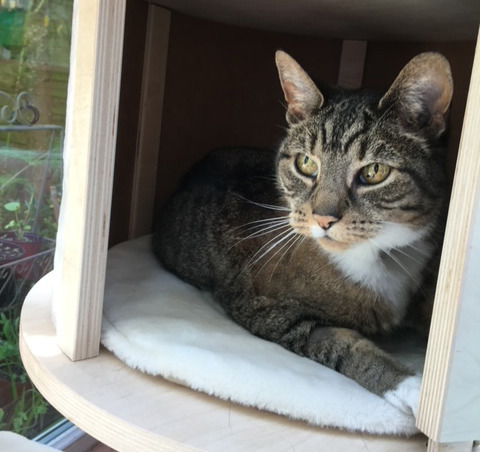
[406, 396]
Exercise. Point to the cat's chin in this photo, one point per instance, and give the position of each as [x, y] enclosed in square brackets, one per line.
[331, 245]
[326, 242]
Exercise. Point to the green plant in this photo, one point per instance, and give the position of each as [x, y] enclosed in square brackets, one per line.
[20, 223]
[26, 181]
[28, 406]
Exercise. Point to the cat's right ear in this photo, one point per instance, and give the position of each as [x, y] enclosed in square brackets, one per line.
[302, 95]
[421, 94]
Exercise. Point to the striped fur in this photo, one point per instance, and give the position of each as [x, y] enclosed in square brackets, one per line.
[298, 247]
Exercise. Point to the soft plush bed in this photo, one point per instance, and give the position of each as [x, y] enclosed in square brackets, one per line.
[162, 326]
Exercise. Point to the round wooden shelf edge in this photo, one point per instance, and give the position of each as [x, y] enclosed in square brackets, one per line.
[133, 412]
[53, 374]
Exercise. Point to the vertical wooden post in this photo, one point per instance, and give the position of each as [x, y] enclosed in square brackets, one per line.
[150, 121]
[92, 105]
[450, 402]
[352, 64]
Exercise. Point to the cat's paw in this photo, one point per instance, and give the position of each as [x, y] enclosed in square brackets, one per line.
[406, 396]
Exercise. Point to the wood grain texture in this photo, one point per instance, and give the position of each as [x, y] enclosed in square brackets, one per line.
[92, 107]
[450, 402]
[408, 20]
[352, 63]
[150, 122]
[449, 447]
[133, 412]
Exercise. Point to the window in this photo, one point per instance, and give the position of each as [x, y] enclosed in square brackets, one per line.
[34, 62]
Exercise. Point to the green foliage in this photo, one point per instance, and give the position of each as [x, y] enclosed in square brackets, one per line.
[28, 405]
[22, 173]
[43, 38]
[8, 344]
[39, 66]
[20, 223]
[35, 58]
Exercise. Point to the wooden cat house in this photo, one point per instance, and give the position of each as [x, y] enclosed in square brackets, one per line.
[154, 85]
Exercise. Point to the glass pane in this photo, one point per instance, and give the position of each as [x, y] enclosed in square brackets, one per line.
[34, 57]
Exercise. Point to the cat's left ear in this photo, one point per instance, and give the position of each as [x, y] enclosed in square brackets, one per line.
[421, 94]
[302, 95]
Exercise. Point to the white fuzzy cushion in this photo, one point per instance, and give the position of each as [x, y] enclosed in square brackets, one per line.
[162, 326]
[12, 442]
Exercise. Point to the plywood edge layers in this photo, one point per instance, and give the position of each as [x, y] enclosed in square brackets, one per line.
[51, 372]
[451, 299]
[92, 107]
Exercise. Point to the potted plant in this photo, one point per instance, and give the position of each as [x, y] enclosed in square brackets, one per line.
[19, 227]
[10, 251]
[17, 230]
[17, 240]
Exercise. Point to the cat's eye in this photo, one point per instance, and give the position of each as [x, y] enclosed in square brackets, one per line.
[374, 173]
[306, 165]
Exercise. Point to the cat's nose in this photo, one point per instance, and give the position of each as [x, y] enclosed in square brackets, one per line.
[325, 221]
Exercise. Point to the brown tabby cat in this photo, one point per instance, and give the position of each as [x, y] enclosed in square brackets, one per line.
[335, 237]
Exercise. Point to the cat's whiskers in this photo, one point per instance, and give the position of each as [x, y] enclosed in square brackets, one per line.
[266, 206]
[268, 246]
[409, 256]
[265, 230]
[261, 222]
[420, 251]
[269, 178]
[290, 236]
[280, 126]
[394, 258]
[261, 226]
[294, 240]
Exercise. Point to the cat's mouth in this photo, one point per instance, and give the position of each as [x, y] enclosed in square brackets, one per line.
[325, 239]
[388, 236]
[337, 238]
[332, 235]
[330, 244]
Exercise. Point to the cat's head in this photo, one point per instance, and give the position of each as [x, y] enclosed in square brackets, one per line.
[357, 166]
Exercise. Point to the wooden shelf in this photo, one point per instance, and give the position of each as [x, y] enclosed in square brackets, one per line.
[130, 411]
[429, 20]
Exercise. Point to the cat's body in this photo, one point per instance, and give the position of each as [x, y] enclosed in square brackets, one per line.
[334, 237]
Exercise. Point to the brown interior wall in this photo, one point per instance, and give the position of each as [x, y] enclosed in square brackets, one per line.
[222, 89]
[385, 60]
[130, 90]
[128, 115]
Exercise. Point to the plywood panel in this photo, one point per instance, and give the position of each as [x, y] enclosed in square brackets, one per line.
[128, 118]
[450, 403]
[135, 412]
[409, 20]
[150, 122]
[91, 127]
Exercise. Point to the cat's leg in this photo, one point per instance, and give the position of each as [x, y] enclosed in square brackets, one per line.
[300, 330]
[356, 357]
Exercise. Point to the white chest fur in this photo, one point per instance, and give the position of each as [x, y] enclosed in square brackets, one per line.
[390, 264]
